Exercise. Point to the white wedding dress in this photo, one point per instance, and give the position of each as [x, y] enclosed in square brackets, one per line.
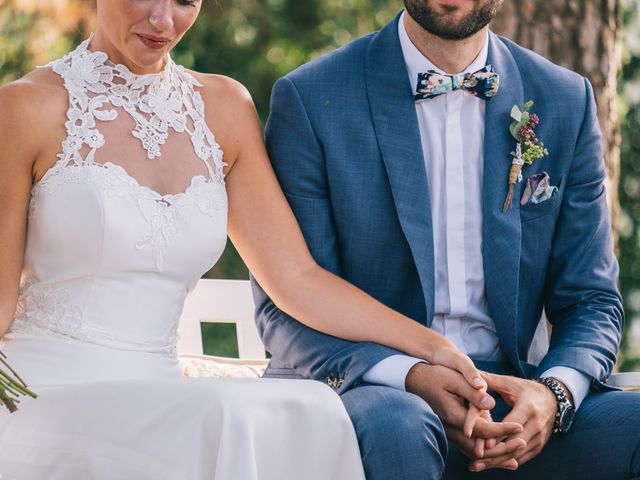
[109, 260]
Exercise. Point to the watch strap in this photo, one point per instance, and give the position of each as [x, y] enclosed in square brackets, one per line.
[563, 402]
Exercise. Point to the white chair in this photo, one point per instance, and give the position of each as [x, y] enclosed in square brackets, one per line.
[625, 380]
[231, 301]
[220, 301]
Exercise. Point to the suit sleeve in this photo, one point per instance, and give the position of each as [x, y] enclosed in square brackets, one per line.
[582, 299]
[299, 162]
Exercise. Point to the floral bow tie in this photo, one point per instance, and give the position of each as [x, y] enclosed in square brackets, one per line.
[482, 84]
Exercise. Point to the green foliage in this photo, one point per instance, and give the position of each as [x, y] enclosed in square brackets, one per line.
[220, 339]
[520, 119]
[33, 33]
[629, 190]
[229, 266]
[15, 59]
[258, 41]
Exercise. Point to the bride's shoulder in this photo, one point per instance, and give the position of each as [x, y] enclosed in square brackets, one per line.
[220, 91]
[229, 112]
[32, 108]
[35, 96]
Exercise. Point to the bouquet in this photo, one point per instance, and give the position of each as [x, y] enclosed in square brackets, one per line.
[12, 387]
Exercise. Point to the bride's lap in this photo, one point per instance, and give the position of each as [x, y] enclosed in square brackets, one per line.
[180, 397]
[111, 411]
[141, 424]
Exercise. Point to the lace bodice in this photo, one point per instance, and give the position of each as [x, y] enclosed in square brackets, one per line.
[110, 257]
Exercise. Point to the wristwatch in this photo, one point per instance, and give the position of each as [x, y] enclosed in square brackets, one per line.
[566, 410]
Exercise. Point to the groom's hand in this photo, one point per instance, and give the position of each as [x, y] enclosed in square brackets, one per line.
[445, 390]
[533, 406]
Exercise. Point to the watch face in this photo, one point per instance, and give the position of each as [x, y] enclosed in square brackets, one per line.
[566, 417]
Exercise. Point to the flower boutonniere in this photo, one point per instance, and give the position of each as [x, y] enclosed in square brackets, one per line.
[528, 147]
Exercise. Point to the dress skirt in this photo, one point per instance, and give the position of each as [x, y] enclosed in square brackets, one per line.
[177, 429]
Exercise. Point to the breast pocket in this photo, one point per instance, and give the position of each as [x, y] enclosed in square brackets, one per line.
[532, 211]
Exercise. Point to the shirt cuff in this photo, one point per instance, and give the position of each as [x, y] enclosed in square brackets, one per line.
[576, 382]
[391, 372]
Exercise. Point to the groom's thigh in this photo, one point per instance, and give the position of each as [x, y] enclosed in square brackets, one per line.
[400, 436]
[603, 444]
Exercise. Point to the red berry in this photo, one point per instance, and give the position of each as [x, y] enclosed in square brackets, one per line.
[526, 131]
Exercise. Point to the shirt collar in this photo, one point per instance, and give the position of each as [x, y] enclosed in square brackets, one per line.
[417, 63]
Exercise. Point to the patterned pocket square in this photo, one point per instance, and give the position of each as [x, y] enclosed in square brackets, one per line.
[538, 189]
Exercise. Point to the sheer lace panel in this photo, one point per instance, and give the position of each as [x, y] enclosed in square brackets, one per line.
[149, 128]
[147, 133]
[168, 174]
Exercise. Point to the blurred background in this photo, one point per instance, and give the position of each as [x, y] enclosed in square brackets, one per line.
[258, 41]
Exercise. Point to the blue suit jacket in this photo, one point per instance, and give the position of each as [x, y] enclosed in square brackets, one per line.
[344, 141]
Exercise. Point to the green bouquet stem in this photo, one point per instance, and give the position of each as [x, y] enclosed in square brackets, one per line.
[12, 387]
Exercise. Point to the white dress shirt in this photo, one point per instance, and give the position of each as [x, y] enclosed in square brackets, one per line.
[452, 135]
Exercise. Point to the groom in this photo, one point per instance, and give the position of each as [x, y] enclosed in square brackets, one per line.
[398, 173]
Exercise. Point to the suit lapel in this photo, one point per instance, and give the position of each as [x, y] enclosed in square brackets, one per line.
[398, 134]
[502, 230]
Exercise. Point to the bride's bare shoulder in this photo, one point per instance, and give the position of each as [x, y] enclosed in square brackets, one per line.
[229, 112]
[32, 108]
[222, 92]
[39, 95]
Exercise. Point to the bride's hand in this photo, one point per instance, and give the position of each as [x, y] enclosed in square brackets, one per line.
[445, 353]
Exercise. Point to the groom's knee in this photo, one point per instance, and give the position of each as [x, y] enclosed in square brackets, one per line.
[400, 436]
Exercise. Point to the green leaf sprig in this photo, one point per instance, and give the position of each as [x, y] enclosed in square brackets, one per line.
[12, 387]
[523, 130]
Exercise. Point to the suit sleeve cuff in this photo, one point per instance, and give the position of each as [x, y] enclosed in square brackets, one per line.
[391, 372]
[576, 382]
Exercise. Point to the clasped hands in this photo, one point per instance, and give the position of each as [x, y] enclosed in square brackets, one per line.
[457, 392]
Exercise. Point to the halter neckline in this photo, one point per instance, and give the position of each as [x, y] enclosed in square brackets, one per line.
[158, 102]
[86, 45]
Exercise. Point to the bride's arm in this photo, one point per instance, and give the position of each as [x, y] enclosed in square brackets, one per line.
[267, 236]
[18, 150]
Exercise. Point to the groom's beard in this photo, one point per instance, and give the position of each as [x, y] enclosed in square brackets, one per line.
[445, 25]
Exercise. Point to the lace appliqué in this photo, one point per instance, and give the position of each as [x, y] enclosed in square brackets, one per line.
[157, 103]
[48, 309]
[164, 214]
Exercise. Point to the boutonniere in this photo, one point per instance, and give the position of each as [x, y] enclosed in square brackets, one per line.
[528, 147]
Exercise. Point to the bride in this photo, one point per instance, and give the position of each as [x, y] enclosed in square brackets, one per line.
[115, 197]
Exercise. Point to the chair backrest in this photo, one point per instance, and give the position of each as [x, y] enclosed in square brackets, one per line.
[625, 380]
[220, 301]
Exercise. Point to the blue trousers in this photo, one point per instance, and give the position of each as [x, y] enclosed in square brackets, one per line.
[401, 438]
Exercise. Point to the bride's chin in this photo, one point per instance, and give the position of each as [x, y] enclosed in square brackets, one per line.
[147, 62]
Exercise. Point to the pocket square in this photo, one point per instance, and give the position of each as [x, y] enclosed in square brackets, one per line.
[538, 189]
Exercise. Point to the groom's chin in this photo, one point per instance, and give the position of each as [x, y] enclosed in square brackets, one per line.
[453, 19]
